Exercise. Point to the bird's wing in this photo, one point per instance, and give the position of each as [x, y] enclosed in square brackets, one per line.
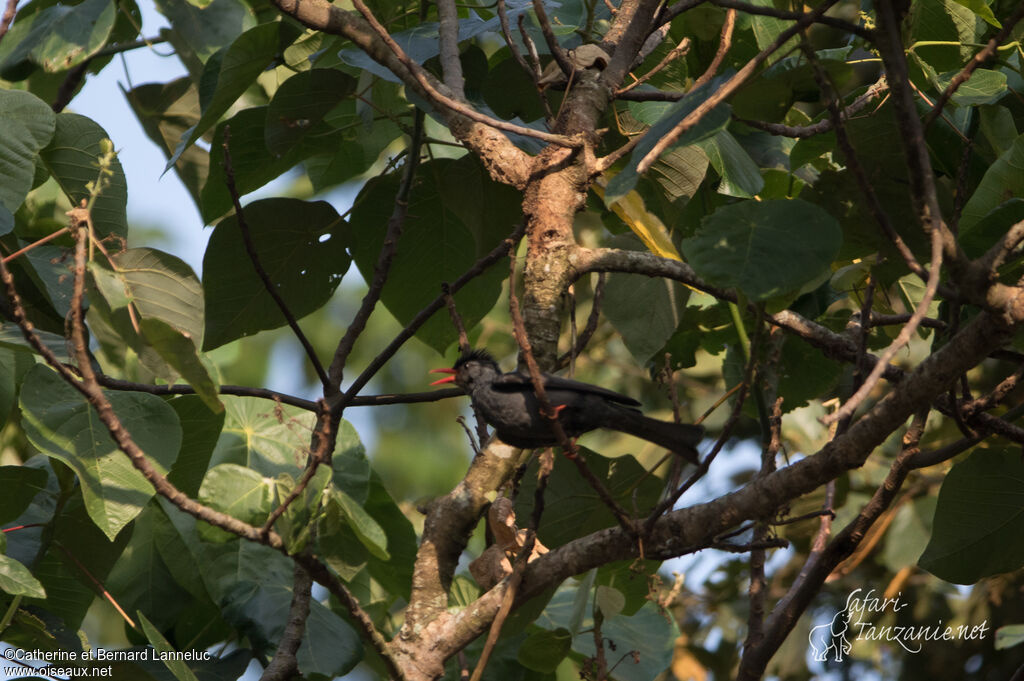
[519, 382]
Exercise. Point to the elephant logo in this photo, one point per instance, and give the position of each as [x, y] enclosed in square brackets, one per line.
[831, 638]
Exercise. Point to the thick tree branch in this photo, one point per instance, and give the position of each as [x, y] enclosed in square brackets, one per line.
[448, 40]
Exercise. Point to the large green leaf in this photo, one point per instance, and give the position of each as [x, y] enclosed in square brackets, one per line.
[72, 156]
[158, 594]
[301, 103]
[166, 111]
[62, 37]
[162, 646]
[740, 175]
[1004, 179]
[644, 310]
[301, 247]
[16, 580]
[370, 533]
[60, 423]
[225, 79]
[28, 126]
[742, 246]
[256, 597]
[206, 30]
[252, 164]
[166, 312]
[669, 116]
[976, 531]
[456, 215]
[20, 485]
[200, 427]
[238, 491]
[267, 437]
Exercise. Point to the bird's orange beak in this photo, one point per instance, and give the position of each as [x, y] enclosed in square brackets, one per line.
[446, 379]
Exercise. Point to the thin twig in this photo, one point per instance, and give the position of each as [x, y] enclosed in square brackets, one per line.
[254, 258]
[825, 124]
[549, 37]
[728, 88]
[983, 55]
[36, 243]
[679, 50]
[506, 32]
[416, 72]
[769, 11]
[323, 436]
[384, 259]
[724, 43]
[593, 319]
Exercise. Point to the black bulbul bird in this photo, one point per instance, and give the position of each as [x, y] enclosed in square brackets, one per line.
[507, 402]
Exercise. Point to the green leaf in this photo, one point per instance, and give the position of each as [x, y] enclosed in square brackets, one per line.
[61, 424]
[71, 157]
[370, 533]
[230, 76]
[158, 593]
[1004, 179]
[301, 103]
[238, 491]
[456, 215]
[977, 518]
[644, 310]
[734, 246]
[740, 175]
[998, 126]
[255, 594]
[63, 36]
[544, 650]
[179, 351]
[16, 580]
[178, 668]
[297, 522]
[206, 30]
[28, 126]
[1009, 636]
[981, 8]
[252, 163]
[201, 427]
[986, 232]
[713, 122]
[610, 601]
[166, 111]
[11, 337]
[985, 86]
[20, 484]
[260, 434]
[301, 247]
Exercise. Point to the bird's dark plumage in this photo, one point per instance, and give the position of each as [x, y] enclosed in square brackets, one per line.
[508, 403]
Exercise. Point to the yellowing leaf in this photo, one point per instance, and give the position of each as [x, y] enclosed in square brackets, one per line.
[646, 225]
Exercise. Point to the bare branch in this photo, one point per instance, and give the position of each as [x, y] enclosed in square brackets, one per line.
[825, 124]
[557, 53]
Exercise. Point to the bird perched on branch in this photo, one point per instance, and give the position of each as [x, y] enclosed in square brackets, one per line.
[508, 403]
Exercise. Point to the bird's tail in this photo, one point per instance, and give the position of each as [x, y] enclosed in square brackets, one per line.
[681, 438]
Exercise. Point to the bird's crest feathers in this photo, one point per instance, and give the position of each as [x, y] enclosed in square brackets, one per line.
[478, 355]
